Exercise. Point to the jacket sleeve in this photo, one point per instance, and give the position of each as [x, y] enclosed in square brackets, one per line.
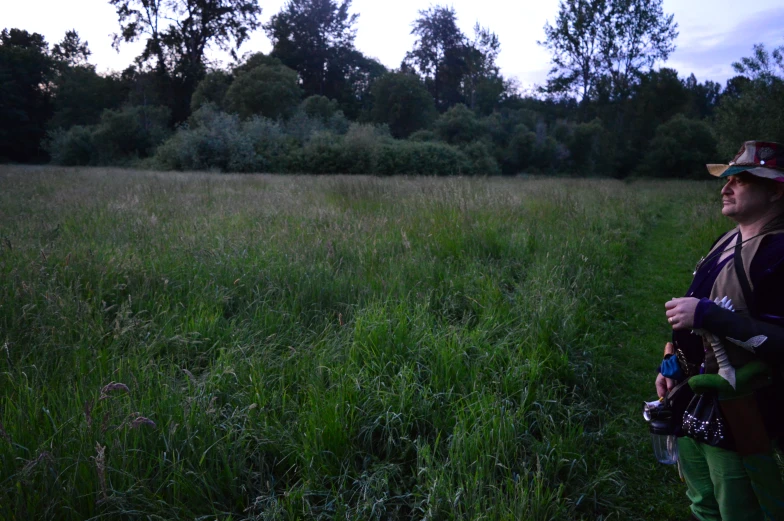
[762, 338]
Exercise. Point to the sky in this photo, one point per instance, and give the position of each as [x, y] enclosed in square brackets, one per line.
[713, 33]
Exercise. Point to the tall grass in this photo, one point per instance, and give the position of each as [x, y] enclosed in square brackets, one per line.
[310, 348]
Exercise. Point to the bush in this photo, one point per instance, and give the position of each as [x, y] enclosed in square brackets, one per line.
[458, 126]
[319, 107]
[129, 133]
[211, 139]
[423, 136]
[521, 149]
[212, 89]
[411, 158]
[325, 154]
[273, 148]
[362, 144]
[590, 148]
[481, 159]
[122, 136]
[681, 148]
[72, 147]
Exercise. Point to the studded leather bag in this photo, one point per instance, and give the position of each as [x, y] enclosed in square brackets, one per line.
[704, 422]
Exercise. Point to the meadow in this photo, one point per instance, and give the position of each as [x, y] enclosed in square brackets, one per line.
[211, 346]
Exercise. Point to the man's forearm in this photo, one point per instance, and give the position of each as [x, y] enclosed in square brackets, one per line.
[757, 336]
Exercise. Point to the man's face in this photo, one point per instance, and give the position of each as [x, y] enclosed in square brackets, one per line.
[744, 199]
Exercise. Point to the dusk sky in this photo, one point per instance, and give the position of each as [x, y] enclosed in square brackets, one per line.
[713, 34]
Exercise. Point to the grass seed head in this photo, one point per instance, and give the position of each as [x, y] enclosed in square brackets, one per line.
[111, 387]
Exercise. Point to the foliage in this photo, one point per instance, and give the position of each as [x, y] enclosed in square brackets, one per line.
[316, 39]
[762, 64]
[439, 54]
[71, 147]
[481, 158]
[681, 148]
[422, 158]
[212, 89]
[401, 101]
[121, 137]
[71, 51]
[591, 149]
[215, 140]
[755, 110]
[26, 73]
[178, 32]
[267, 90]
[319, 107]
[459, 126]
[130, 133]
[606, 44]
[81, 95]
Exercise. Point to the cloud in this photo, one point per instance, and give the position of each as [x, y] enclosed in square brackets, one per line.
[709, 52]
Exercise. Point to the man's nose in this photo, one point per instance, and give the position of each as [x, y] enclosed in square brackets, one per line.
[727, 188]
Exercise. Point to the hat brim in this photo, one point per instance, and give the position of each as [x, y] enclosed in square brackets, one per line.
[759, 171]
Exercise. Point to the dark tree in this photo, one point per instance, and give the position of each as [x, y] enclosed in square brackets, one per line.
[178, 32]
[439, 54]
[763, 64]
[316, 39]
[753, 107]
[401, 101]
[26, 83]
[267, 90]
[71, 51]
[81, 95]
[704, 96]
[483, 84]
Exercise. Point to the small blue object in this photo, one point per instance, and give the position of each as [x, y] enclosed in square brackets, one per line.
[670, 369]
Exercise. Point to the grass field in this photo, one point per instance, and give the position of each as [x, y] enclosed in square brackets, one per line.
[194, 346]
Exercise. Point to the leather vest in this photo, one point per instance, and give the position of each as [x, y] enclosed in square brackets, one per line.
[727, 284]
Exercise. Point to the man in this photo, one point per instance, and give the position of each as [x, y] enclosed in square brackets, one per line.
[734, 365]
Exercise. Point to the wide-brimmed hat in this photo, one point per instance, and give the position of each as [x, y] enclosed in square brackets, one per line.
[759, 158]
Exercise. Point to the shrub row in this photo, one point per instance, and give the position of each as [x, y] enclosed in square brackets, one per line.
[216, 140]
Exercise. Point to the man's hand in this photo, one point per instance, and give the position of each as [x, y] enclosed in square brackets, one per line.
[663, 385]
[680, 312]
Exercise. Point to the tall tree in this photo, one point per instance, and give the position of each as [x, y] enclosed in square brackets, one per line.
[316, 39]
[483, 84]
[26, 82]
[606, 43]
[401, 101]
[578, 42]
[753, 106]
[71, 51]
[641, 35]
[178, 33]
[439, 54]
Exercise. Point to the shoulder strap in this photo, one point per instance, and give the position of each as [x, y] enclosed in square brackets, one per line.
[748, 294]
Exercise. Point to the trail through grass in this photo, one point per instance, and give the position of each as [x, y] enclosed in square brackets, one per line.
[660, 269]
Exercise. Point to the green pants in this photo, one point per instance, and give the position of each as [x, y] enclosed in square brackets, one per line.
[723, 486]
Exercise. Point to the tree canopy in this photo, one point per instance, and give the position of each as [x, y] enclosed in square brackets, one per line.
[606, 44]
[177, 34]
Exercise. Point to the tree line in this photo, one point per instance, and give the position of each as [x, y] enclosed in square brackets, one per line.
[317, 104]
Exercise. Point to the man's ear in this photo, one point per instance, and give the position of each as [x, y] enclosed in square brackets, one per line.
[779, 193]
